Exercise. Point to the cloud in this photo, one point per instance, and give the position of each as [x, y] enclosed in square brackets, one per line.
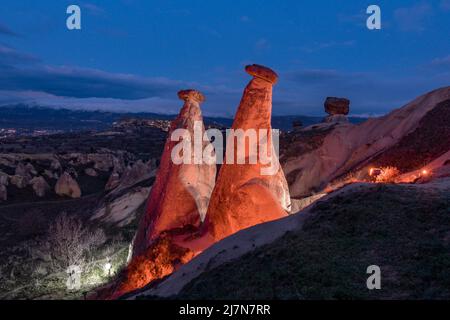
[304, 91]
[210, 31]
[7, 31]
[445, 5]
[357, 19]
[84, 83]
[444, 61]
[312, 75]
[10, 56]
[317, 46]
[262, 44]
[25, 79]
[93, 9]
[156, 104]
[413, 18]
[244, 19]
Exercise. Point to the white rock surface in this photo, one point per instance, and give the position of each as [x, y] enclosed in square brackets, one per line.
[122, 211]
[67, 186]
[348, 145]
[40, 186]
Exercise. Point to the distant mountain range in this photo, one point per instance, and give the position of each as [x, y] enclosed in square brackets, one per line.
[29, 118]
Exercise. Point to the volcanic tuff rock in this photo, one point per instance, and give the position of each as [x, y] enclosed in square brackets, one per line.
[135, 173]
[335, 105]
[166, 235]
[411, 220]
[3, 193]
[25, 170]
[40, 186]
[19, 181]
[91, 172]
[122, 210]
[180, 194]
[243, 196]
[67, 186]
[4, 179]
[397, 139]
[113, 181]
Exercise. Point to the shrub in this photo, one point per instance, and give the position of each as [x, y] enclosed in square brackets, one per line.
[70, 243]
[388, 174]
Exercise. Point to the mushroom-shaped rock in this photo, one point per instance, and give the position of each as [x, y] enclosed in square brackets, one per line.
[246, 194]
[180, 195]
[67, 186]
[334, 106]
[262, 72]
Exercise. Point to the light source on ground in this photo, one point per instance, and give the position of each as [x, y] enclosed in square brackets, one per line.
[107, 268]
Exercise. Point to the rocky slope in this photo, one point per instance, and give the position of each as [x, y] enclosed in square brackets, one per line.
[407, 138]
[85, 176]
[407, 237]
[343, 223]
[323, 252]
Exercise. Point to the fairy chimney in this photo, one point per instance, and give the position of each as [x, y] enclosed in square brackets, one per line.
[248, 194]
[180, 195]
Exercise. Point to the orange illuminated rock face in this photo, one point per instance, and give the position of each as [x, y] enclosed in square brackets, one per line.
[162, 258]
[172, 231]
[180, 195]
[168, 233]
[243, 196]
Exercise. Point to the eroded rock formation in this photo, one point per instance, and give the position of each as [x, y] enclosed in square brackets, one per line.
[181, 192]
[406, 138]
[67, 186]
[171, 232]
[337, 108]
[243, 195]
[335, 105]
[3, 193]
[167, 235]
[40, 186]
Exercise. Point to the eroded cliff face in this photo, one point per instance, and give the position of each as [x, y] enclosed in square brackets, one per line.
[244, 195]
[181, 192]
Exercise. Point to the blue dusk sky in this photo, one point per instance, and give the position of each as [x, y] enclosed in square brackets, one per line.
[134, 55]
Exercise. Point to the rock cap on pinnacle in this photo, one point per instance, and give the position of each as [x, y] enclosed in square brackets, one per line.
[334, 106]
[191, 94]
[262, 72]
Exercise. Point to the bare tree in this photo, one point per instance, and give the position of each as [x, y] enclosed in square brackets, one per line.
[70, 243]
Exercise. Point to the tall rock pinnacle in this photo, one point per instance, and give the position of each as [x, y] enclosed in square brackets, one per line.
[243, 196]
[180, 195]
